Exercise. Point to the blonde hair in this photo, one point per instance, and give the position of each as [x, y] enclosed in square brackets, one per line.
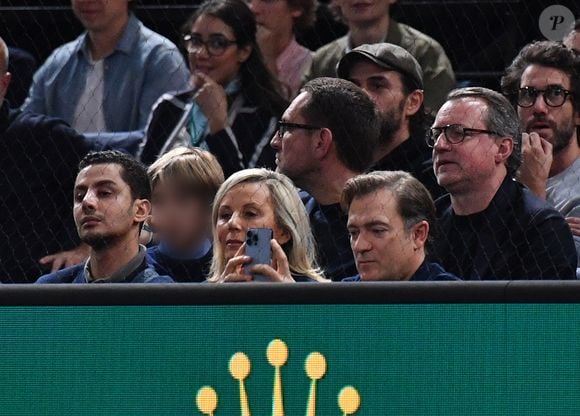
[195, 170]
[289, 213]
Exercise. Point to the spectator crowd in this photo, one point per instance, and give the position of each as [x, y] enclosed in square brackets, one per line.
[126, 163]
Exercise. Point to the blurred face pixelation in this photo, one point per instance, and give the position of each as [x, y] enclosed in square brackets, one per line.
[100, 15]
[224, 68]
[360, 12]
[462, 166]
[555, 124]
[180, 219]
[294, 150]
[104, 210]
[382, 248]
[274, 15]
[247, 205]
[386, 90]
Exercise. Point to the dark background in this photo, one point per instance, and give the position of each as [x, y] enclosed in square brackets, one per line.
[480, 37]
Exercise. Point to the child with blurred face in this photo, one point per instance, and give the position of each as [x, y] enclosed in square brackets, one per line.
[184, 182]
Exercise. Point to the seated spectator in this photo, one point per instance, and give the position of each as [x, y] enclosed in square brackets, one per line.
[491, 227]
[394, 81]
[260, 198]
[111, 203]
[572, 39]
[22, 66]
[233, 107]
[372, 23]
[277, 23]
[108, 78]
[39, 157]
[183, 184]
[390, 216]
[327, 135]
[544, 83]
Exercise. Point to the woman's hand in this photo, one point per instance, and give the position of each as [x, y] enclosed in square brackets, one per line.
[279, 271]
[234, 270]
[212, 100]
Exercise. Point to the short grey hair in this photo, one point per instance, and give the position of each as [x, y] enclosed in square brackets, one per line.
[501, 117]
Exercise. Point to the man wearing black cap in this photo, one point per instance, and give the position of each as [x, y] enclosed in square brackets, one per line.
[371, 22]
[393, 79]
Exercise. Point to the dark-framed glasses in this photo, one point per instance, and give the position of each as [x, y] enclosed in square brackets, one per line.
[284, 126]
[553, 95]
[454, 133]
[215, 45]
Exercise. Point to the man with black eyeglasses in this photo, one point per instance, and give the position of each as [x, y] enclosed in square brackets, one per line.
[327, 135]
[490, 226]
[544, 84]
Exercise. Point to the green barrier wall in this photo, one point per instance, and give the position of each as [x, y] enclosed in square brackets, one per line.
[412, 359]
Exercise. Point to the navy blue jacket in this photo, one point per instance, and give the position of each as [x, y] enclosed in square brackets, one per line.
[76, 274]
[428, 271]
[328, 223]
[39, 156]
[181, 270]
[518, 236]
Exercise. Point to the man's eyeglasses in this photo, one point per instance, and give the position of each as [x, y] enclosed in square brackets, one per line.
[284, 126]
[454, 133]
[554, 96]
[216, 45]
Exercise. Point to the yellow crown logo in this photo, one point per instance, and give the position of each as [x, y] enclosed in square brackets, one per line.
[277, 354]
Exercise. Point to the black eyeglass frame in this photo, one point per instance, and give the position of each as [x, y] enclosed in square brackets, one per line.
[187, 38]
[430, 139]
[284, 126]
[537, 92]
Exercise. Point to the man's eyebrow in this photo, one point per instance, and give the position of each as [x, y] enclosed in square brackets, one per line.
[104, 182]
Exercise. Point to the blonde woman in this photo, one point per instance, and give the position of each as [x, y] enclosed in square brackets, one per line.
[261, 198]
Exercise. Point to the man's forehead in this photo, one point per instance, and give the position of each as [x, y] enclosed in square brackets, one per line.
[295, 107]
[541, 76]
[106, 172]
[466, 111]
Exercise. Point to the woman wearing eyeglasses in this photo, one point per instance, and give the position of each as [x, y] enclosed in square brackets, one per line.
[234, 102]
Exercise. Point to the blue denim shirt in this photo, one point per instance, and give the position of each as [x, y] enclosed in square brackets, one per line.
[143, 67]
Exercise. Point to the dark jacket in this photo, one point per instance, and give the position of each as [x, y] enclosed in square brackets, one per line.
[245, 144]
[428, 271]
[518, 236]
[328, 223]
[76, 274]
[415, 157]
[180, 270]
[39, 156]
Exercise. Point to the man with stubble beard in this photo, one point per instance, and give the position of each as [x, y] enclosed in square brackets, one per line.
[544, 84]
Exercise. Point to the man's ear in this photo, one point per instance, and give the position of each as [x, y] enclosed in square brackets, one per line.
[142, 210]
[5, 81]
[420, 234]
[504, 150]
[413, 103]
[322, 143]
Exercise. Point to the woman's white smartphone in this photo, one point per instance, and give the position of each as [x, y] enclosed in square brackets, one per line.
[258, 247]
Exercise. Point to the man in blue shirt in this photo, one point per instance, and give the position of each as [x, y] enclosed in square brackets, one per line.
[111, 203]
[107, 79]
[390, 215]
